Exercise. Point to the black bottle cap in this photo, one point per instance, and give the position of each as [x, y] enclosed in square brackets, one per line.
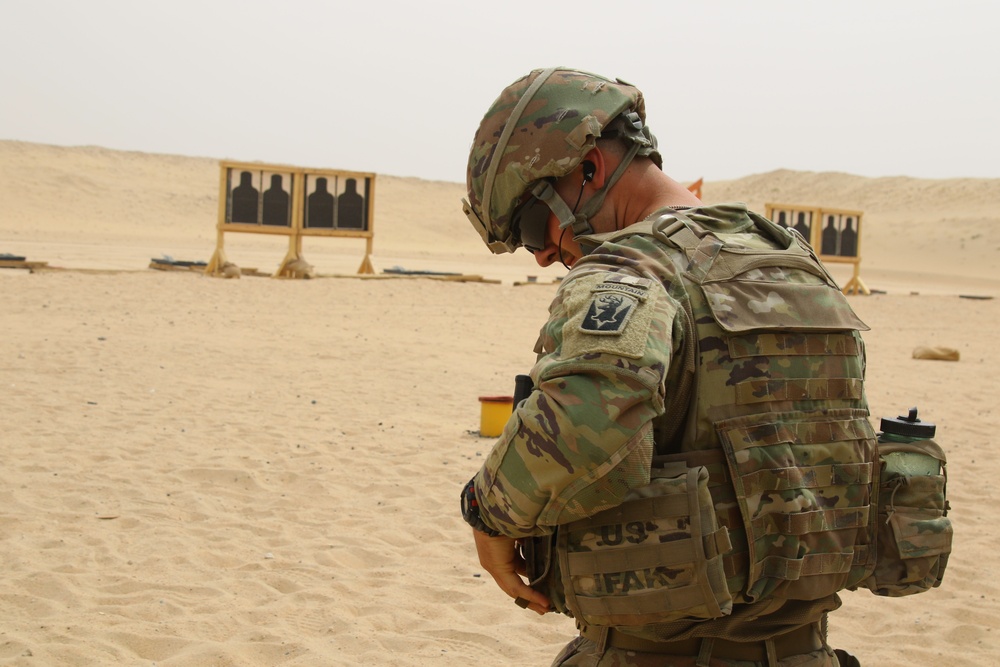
[908, 426]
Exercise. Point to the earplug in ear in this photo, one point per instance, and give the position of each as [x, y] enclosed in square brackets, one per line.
[589, 169]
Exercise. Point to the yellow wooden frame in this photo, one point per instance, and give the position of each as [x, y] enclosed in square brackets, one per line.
[855, 285]
[296, 228]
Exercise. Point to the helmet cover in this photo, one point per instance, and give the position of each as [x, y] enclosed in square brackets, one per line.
[541, 126]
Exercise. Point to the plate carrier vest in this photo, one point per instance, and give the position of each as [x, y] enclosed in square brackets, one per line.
[764, 478]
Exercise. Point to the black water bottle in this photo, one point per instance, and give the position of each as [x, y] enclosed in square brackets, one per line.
[904, 430]
[523, 387]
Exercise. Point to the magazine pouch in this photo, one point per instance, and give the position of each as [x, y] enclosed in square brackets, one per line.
[914, 531]
[655, 558]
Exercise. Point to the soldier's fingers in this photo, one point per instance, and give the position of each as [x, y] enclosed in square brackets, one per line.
[529, 598]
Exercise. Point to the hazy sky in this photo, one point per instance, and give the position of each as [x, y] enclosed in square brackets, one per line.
[871, 87]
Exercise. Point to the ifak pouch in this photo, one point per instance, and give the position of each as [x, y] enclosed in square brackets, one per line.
[655, 558]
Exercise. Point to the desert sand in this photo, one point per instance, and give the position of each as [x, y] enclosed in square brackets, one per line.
[201, 471]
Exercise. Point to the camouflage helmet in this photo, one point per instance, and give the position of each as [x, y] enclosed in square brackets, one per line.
[542, 126]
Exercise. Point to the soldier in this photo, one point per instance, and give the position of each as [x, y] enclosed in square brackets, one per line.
[691, 476]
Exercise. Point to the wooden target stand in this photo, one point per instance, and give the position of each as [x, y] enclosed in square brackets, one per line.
[695, 188]
[259, 198]
[834, 233]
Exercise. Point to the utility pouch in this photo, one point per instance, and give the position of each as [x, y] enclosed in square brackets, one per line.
[804, 484]
[655, 558]
[914, 531]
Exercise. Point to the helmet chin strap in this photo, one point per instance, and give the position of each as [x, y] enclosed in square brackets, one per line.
[562, 234]
[580, 222]
[561, 260]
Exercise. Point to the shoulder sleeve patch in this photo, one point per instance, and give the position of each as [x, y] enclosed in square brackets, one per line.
[608, 313]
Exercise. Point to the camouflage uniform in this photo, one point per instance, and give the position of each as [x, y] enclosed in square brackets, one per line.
[711, 344]
[693, 478]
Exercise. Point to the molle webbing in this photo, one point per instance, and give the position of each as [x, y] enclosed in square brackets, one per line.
[780, 383]
[791, 344]
[809, 522]
[798, 389]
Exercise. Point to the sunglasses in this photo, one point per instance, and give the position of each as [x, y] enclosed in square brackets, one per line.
[531, 222]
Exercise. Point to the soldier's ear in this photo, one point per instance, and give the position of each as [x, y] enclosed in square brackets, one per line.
[593, 168]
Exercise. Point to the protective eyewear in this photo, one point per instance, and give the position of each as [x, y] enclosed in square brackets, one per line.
[531, 221]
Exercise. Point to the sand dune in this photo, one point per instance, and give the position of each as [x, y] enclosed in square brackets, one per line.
[99, 208]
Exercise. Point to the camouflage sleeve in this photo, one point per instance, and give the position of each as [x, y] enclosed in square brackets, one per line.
[584, 437]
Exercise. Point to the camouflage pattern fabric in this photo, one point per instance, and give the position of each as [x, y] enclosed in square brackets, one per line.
[583, 653]
[722, 340]
[529, 134]
[914, 531]
[657, 555]
[584, 437]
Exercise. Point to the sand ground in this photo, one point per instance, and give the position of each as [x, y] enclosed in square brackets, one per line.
[266, 472]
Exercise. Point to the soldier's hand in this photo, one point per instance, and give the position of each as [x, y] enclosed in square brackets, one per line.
[499, 556]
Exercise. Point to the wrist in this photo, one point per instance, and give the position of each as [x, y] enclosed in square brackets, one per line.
[470, 510]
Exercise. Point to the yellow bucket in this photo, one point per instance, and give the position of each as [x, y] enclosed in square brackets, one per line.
[495, 411]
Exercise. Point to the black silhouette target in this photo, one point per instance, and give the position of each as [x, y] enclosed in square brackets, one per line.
[833, 233]
[319, 205]
[273, 199]
[245, 200]
[840, 236]
[258, 197]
